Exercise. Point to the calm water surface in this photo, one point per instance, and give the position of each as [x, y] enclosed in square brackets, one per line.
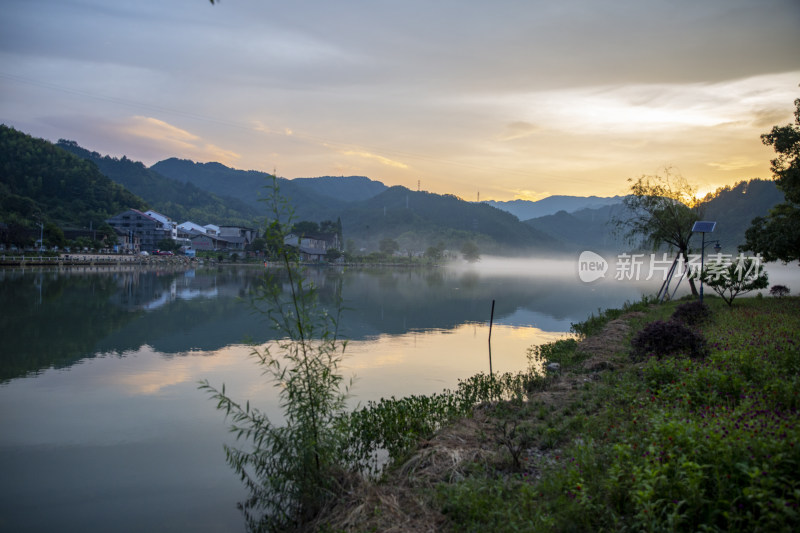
[102, 426]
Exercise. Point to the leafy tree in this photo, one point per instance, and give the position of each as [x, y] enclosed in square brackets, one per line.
[470, 251]
[434, 252]
[661, 210]
[779, 290]
[777, 236]
[328, 226]
[82, 242]
[259, 244]
[730, 279]
[168, 245]
[54, 236]
[108, 233]
[332, 254]
[388, 246]
[305, 227]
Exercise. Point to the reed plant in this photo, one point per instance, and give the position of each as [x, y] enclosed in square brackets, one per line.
[291, 467]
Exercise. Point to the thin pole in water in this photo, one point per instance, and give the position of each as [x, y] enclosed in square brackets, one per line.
[491, 320]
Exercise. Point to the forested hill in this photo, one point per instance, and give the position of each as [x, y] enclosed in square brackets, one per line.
[179, 201]
[251, 187]
[732, 208]
[346, 188]
[526, 209]
[414, 216]
[40, 182]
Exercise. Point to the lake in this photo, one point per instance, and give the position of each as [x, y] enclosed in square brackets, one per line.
[104, 428]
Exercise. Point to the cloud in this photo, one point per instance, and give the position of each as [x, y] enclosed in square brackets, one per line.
[175, 140]
[155, 129]
[518, 130]
[735, 163]
[531, 196]
[379, 158]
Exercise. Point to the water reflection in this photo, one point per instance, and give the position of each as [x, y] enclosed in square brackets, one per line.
[56, 318]
[61, 317]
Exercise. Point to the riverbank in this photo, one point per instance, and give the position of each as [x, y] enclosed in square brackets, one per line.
[87, 259]
[612, 442]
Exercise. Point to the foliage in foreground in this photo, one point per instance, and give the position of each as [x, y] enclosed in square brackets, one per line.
[291, 467]
[777, 235]
[675, 444]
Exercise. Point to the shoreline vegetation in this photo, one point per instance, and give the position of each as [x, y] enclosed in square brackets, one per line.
[594, 436]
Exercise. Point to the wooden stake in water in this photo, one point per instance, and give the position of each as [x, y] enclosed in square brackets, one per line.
[491, 319]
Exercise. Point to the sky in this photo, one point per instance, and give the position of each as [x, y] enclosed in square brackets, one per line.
[486, 100]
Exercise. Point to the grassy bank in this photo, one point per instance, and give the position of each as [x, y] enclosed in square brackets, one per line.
[608, 441]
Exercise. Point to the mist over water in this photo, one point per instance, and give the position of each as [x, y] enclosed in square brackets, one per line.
[646, 273]
[564, 267]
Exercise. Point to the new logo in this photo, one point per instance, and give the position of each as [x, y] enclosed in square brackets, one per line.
[591, 266]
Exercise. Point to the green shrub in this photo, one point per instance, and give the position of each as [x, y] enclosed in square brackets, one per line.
[692, 313]
[662, 338]
[779, 290]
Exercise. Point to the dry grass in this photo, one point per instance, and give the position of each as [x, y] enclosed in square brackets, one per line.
[399, 502]
[604, 348]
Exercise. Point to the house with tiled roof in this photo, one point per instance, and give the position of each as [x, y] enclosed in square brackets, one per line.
[143, 227]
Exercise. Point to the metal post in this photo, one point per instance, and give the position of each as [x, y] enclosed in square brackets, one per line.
[491, 320]
[702, 265]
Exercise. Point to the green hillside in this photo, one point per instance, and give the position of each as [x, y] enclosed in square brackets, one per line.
[41, 182]
[249, 187]
[179, 201]
[734, 207]
[345, 188]
[422, 219]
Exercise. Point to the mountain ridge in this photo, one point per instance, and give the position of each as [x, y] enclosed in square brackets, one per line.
[528, 209]
[369, 210]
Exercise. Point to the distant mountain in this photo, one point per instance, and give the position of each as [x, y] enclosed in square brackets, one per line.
[179, 201]
[584, 229]
[70, 186]
[369, 210]
[311, 199]
[345, 188]
[731, 207]
[419, 219]
[526, 209]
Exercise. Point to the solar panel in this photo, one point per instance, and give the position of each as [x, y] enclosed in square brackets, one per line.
[703, 226]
